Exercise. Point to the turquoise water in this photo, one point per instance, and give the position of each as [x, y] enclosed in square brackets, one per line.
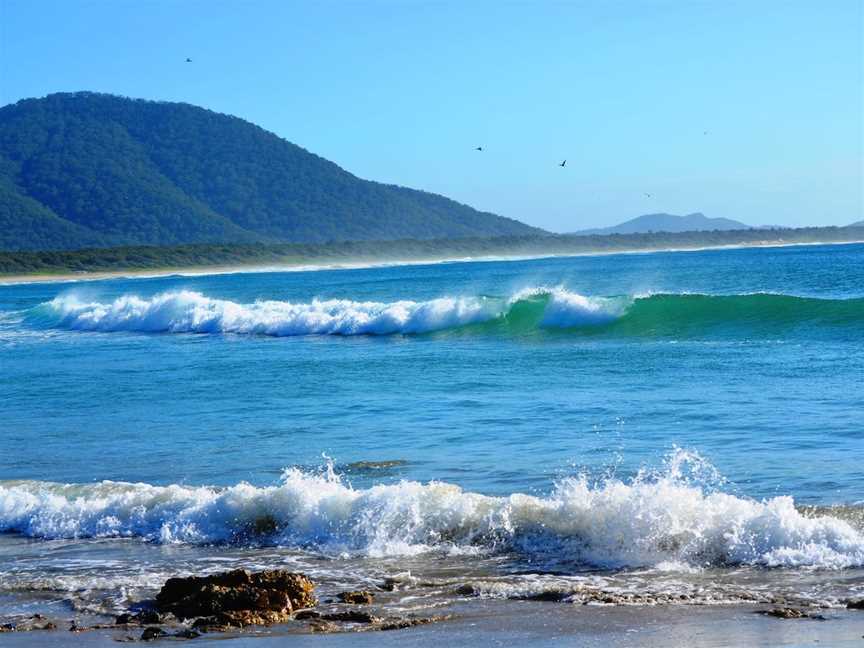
[703, 410]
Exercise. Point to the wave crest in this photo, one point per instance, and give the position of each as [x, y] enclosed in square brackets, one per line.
[526, 311]
[646, 522]
[191, 312]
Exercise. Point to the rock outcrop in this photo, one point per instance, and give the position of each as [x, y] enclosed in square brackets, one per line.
[359, 597]
[237, 598]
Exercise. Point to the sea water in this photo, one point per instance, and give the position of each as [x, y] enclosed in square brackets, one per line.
[680, 426]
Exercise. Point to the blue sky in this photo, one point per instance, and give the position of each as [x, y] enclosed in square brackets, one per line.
[748, 110]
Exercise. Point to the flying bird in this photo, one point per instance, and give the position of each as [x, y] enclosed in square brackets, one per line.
[563, 163]
[479, 148]
[647, 194]
[188, 60]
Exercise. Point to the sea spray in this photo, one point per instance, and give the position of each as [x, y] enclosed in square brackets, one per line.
[651, 520]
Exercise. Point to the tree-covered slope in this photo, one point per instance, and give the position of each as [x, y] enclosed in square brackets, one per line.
[85, 169]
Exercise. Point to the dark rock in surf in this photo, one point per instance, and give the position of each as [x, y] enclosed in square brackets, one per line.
[353, 616]
[785, 613]
[410, 622]
[74, 627]
[553, 596]
[237, 598]
[324, 627]
[152, 633]
[148, 617]
[358, 597]
[855, 604]
[145, 617]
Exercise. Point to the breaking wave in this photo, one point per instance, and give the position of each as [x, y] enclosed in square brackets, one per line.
[651, 520]
[527, 311]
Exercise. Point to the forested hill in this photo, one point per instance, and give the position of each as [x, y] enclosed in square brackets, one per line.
[85, 169]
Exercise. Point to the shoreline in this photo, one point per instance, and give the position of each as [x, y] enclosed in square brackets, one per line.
[323, 265]
[526, 623]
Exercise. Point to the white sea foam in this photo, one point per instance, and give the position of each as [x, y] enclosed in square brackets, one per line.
[646, 522]
[192, 312]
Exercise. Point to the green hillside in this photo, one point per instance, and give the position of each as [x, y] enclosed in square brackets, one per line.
[85, 169]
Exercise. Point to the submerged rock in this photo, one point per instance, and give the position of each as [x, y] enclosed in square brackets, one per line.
[237, 598]
[34, 622]
[358, 597]
[785, 613]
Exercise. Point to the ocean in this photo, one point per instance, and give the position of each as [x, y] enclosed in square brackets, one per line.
[636, 429]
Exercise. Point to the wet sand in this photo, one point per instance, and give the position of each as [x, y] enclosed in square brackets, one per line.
[524, 623]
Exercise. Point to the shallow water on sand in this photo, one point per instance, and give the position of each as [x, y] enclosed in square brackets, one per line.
[669, 427]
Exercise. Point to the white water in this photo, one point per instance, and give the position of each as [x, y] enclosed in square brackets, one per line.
[192, 312]
[651, 521]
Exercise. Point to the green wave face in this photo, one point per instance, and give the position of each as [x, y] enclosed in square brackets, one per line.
[752, 316]
[756, 315]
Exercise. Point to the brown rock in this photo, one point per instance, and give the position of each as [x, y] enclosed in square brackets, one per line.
[238, 598]
[358, 597]
[303, 615]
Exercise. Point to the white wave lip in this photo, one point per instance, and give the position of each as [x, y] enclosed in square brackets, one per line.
[616, 524]
[192, 312]
[566, 309]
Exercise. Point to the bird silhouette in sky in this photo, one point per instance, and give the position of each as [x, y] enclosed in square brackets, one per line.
[647, 194]
[188, 60]
[564, 163]
[479, 148]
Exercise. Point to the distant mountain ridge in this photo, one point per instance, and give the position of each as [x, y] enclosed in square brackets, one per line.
[86, 169]
[696, 222]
